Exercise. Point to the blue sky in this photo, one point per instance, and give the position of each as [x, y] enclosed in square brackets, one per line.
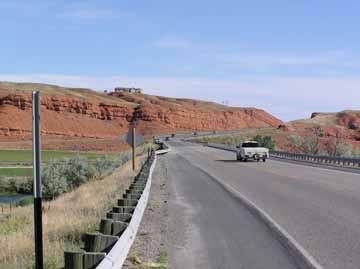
[288, 57]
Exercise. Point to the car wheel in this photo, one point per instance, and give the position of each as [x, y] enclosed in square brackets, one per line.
[264, 160]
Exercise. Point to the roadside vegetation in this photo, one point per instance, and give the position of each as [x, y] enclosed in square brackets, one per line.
[264, 140]
[15, 172]
[79, 191]
[332, 147]
[25, 156]
[315, 143]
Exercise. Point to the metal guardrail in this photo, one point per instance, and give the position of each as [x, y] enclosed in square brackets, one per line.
[109, 247]
[336, 161]
[325, 160]
[120, 224]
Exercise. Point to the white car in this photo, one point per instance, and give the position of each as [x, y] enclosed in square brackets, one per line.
[251, 150]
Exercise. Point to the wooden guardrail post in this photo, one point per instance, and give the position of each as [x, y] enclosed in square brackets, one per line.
[91, 260]
[74, 259]
[97, 242]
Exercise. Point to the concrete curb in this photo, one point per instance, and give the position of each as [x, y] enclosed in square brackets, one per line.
[118, 254]
[301, 256]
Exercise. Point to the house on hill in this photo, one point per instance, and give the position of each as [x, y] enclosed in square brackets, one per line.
[128, 90]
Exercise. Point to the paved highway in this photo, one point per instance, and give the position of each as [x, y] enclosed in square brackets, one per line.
[320, 208]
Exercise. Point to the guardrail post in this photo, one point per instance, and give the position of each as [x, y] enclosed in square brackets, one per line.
[74, 260]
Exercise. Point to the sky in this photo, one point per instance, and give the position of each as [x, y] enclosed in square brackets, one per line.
[290, 58]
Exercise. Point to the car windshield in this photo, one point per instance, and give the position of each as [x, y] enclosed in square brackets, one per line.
[250, 145]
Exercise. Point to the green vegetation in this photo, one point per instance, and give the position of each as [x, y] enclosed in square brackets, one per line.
[25, 156]
[163, 260]
[13, 224]
[63, 175]
[332, 147]
[265, 141]
[224, 139]
[15, 172]
[308, 145]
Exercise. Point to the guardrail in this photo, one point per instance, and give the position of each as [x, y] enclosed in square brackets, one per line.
[109, 247]
[325, 160]
[116, 224]
[335, 161]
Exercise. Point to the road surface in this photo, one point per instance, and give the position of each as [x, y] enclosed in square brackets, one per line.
[320, 208]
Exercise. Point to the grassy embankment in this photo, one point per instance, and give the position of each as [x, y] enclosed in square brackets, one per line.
[9, 159]
[65, 220]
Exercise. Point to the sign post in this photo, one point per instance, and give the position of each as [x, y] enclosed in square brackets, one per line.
[133, 140]
[37, 180]
[133, 147]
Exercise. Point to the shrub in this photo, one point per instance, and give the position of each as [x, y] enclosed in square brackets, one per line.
[309, 145]
[77, 171]
[62, 175]
[344, 150]
[265, 141]
[25, 187]
[3, 185]
[54, 181]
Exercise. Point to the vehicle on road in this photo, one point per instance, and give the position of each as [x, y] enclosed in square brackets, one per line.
[251, 150]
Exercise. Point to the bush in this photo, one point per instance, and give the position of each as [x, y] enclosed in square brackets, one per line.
[104, 165]
[62, 175]
[309, 145]
[2, 185]
[265, 141]
[344, 150]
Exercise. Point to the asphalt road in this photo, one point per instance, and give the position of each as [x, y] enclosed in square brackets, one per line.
[318, 207]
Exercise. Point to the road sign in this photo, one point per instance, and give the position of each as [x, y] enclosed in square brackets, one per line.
[128, 138]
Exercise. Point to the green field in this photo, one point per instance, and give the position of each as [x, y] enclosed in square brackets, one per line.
[25, 156]
[16, 172]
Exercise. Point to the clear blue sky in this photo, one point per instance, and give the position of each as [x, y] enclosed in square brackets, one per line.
[288, 57]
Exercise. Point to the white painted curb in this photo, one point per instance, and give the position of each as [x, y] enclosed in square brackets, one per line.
[118, 254]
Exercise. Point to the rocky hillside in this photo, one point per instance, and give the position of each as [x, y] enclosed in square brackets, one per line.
[69, 112]
[344, 125]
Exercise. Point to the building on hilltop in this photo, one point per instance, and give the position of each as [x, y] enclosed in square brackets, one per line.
[128, 90]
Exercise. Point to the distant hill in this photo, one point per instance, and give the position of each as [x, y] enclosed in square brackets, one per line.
[344, 125]
[85, 113]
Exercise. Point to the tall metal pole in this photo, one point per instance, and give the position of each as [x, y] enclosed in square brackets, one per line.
[133, 147]
[37, 180]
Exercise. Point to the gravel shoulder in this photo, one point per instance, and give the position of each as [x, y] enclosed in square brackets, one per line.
[150, 246]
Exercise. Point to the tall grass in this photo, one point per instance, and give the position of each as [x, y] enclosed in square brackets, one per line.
[64, 221]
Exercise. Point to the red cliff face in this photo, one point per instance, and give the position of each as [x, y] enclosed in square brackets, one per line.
[64, 116]
[157, 118]
[88, 114]
[343, 125]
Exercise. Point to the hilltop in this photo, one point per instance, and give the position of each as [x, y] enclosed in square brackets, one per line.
[344, 125]
[76, 114]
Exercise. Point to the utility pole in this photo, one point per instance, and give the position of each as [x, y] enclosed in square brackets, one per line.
[37, 180]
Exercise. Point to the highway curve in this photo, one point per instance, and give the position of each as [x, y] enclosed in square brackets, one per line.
[318, 207]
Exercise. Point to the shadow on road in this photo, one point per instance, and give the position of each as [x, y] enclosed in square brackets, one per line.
[228, 161]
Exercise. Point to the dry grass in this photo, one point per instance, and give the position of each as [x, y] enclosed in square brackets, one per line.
[64, 221]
